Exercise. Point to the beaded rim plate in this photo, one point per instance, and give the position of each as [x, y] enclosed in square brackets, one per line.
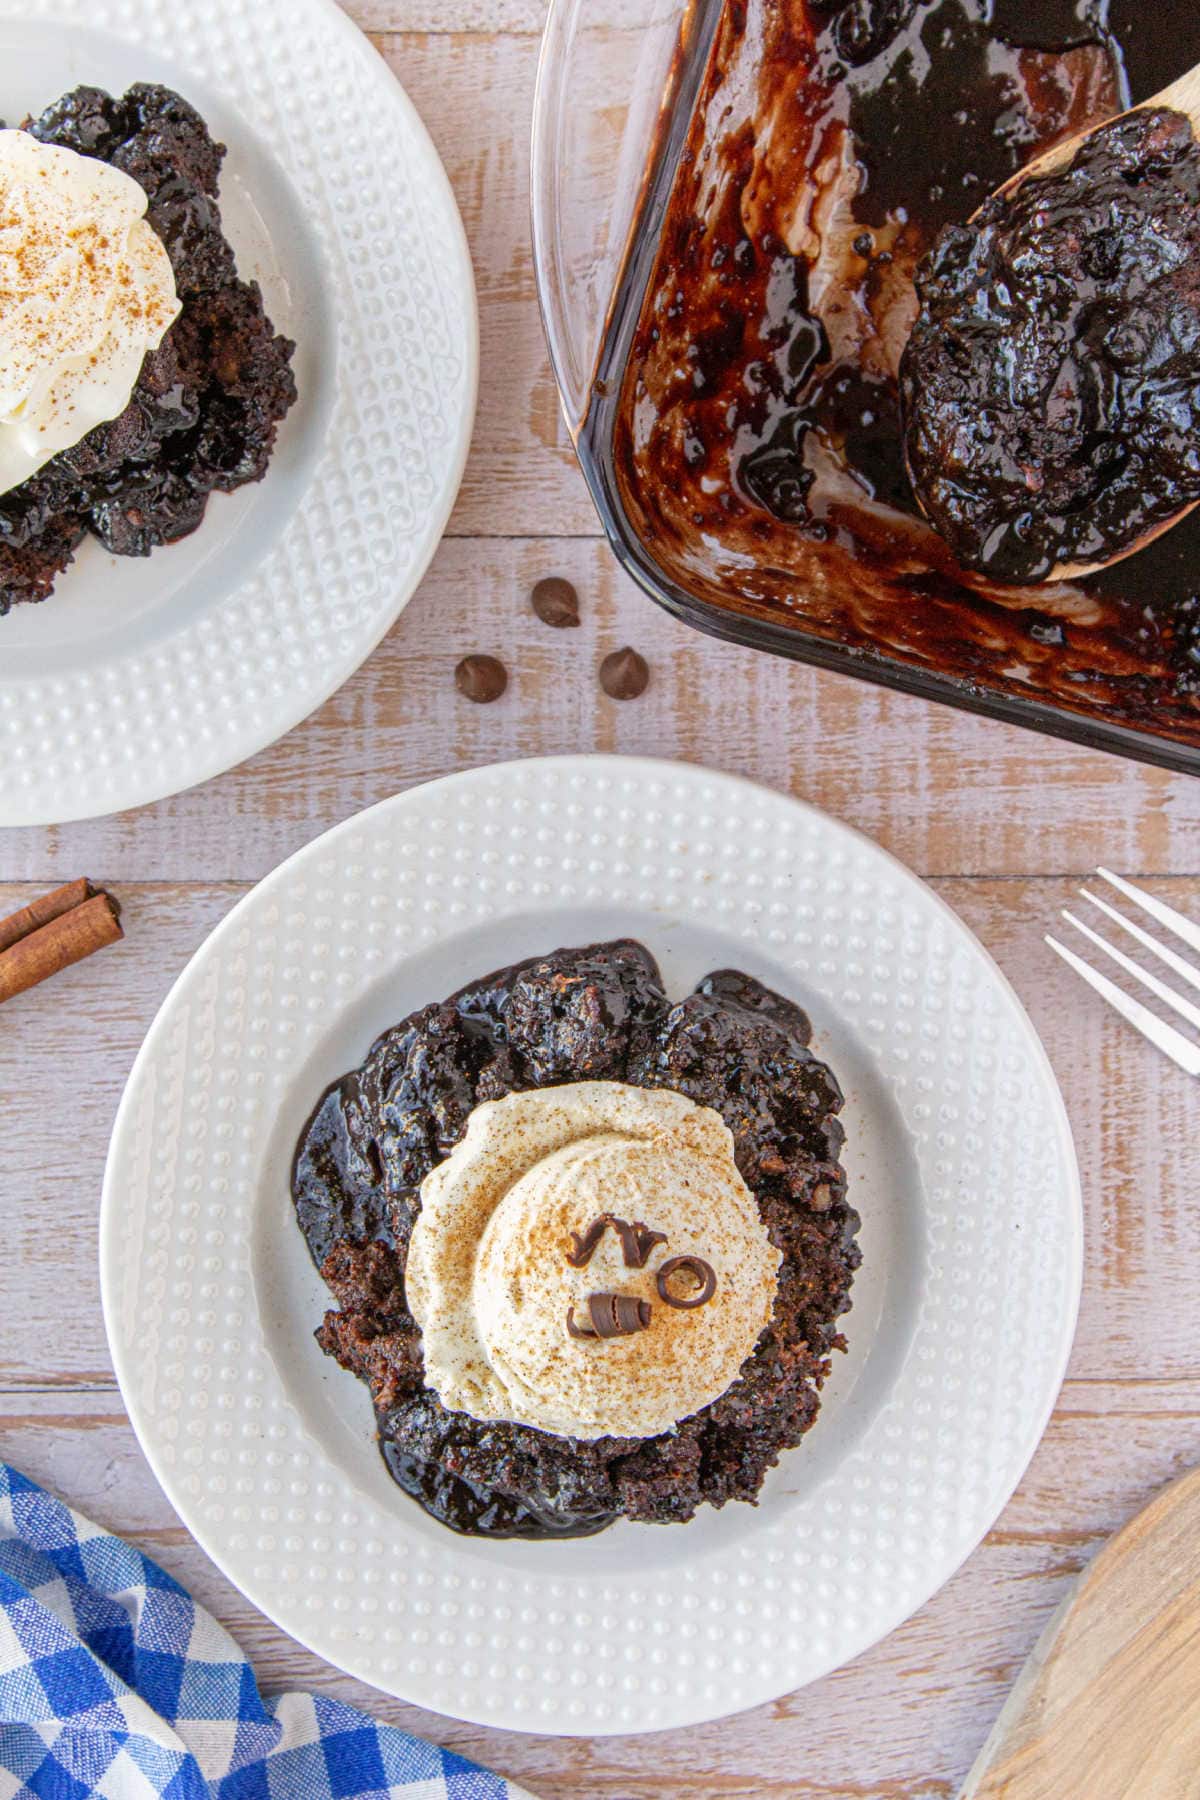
[136, 679]
[960, 1162]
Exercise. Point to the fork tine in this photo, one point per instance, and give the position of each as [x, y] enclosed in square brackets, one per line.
[1158, 909]
[1171, 1042]
[1187, 1009]
[1172, 958]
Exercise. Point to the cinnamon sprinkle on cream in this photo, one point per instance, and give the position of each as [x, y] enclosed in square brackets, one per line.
[86, 289]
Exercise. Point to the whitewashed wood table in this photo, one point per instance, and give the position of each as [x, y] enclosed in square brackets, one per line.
[1002, 823]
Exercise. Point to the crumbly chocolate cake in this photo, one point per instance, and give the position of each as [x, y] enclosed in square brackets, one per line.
[206, 408]
[598, 1013]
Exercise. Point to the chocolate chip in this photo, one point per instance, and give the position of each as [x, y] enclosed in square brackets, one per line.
[555, 601]
[481, 678]
[624, 675]
[703, 1272]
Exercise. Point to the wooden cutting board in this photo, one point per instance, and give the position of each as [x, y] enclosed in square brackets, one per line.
[1108, 1705]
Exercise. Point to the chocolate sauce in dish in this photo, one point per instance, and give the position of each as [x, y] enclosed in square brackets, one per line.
[746, 423]
[1051, 385]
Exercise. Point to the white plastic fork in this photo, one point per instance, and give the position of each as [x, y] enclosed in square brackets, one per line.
[1180, 1049]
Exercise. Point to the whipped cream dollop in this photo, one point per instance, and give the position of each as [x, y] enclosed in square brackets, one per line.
[595, 1200]
[86, 289]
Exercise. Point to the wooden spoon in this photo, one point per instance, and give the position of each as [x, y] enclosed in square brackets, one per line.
[1108, 1705]
[1183, 96]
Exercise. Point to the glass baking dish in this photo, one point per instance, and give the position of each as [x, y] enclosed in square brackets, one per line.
[637, 105]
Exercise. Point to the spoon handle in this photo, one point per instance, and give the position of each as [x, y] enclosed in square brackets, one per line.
[1183, 96]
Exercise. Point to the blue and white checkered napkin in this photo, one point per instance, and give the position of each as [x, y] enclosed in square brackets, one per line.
[113, 1682]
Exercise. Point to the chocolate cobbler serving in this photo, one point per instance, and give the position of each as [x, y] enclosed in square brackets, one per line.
[138, 372]
[1051, 384]
[589, 1246]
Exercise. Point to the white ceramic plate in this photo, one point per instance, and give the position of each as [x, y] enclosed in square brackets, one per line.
[960, 1162]
[138, 678]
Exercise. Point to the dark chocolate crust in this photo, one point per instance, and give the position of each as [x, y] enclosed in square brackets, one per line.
[205, 412]
[598, 1013]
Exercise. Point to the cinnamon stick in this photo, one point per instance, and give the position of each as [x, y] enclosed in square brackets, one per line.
[66, 938]
[41, 912]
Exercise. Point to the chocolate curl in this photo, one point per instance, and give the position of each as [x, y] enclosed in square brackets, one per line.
[637, 1241]
[704, 1272]
[611, 1316]
[583, 1247]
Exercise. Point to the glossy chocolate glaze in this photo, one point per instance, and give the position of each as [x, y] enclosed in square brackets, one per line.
[749, 431]
[1051, 386]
